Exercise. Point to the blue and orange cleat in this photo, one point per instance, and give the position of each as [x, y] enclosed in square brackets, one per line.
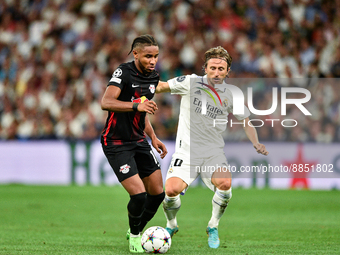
[213, 239]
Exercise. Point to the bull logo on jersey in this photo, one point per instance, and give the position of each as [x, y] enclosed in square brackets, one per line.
[139, 100]
[152, 88]
[124, 169]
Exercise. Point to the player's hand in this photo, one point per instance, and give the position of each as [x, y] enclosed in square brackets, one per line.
[260, 148]
[148, 106]
[160, 147]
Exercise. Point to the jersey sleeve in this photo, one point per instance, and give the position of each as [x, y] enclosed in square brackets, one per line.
[119, 77]
[180, 85]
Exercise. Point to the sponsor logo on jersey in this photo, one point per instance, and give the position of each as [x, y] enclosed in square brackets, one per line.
[135, 86]
[139, 100]
[124, 169]
[118, 72]
[152, 88]
[211, 111]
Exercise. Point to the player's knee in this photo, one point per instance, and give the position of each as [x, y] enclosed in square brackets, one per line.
[136, 204]
[174, 186]
[172, 191]
[224, 184]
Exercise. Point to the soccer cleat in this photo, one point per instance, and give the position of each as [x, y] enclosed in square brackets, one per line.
[172, 231]
[213, 239]
[135, 244]
[128, 234]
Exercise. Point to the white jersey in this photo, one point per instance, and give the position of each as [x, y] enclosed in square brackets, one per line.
[200, 128]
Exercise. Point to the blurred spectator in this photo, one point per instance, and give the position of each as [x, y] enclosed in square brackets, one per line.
[57, 56]
[336, 64]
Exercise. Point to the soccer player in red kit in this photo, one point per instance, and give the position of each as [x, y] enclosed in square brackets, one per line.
[128, 100]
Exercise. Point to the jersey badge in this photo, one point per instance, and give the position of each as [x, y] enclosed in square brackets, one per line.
[181, 78]
[115, 79]
[124, 169]
[152, 88]
[198, 92]
[225, 102]
[118, 72]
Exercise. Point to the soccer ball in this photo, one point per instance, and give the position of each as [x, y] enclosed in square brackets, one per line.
[156, 240]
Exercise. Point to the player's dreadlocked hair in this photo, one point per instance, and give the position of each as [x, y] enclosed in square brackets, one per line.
[217, 52]
[147, 40]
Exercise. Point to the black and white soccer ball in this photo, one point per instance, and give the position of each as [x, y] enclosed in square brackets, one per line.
[156, 240]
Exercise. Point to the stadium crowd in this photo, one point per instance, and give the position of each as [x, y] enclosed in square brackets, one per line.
[57, 56]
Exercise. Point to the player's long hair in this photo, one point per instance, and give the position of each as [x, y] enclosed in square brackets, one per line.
[217, 52]
[143, 40]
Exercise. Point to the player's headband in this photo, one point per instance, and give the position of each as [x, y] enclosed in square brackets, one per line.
[218, 58]
[206, 62]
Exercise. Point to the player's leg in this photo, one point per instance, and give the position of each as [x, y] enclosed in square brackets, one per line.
[135, 187]
[155, 195]
[172, 202]
[218, 181]
[221, 198]
[177, 180]
[154, 183]
[126, 171]
[222, 181]
[151, 176]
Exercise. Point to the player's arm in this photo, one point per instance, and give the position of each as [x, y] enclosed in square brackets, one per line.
[156, 143]
[252, 136]
[163, 87]
[111, 103]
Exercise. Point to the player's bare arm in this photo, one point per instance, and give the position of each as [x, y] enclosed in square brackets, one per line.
[162, 87]
[111, 103]
[156, 143]
[252, 136]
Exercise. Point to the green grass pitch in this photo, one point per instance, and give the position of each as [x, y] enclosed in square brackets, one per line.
[93, 220]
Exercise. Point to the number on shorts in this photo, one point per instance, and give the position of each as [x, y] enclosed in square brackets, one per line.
[178, 162]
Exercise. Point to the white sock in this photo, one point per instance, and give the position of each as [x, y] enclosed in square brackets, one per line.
[219, 204]
[132, 235]
[171, 206]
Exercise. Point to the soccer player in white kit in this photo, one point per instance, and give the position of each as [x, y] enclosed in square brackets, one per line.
[199, 140]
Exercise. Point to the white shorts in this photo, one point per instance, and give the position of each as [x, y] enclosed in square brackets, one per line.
[188, 170]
